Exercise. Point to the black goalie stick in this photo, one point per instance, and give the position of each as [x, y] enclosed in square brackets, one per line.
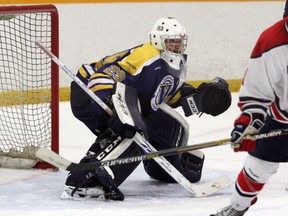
[62, 163]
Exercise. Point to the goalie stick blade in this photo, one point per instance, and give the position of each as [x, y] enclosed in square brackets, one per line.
[53, 158]
[212, 187]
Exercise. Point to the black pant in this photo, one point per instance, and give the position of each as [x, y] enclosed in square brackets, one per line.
[273, 149]
[85, 109]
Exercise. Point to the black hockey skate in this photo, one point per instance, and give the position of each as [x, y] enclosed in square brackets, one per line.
[98, 185]
[89, 193]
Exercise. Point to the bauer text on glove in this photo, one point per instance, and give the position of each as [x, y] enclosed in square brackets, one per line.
[246, 124]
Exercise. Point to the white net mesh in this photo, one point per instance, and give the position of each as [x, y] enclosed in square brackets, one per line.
[25, 84]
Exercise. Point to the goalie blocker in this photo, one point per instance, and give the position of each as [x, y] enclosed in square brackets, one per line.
[165, 130]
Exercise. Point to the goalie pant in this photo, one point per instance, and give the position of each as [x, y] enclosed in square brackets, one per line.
[164, 132]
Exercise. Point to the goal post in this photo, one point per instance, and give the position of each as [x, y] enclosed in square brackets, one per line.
[29, 84]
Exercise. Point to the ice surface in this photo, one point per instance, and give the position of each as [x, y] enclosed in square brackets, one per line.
[37, 192]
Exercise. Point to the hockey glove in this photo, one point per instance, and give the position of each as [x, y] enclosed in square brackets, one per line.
[246, 124]
[211, 98]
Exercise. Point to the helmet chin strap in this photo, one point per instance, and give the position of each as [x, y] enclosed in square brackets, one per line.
[175, 61]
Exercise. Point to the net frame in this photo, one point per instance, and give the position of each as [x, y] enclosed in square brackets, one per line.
[9, 12]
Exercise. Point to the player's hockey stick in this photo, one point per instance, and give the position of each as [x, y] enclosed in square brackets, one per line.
[196, 190]
[62, 163]
[65, 164]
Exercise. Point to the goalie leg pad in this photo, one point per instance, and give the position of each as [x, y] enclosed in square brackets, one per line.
[109, 178]
[123, 171]
[97, 183]
[167, 132]
[155, 171]
[191, 165]
[164, 132]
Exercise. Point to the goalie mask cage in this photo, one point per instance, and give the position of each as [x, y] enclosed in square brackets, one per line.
[29, 83]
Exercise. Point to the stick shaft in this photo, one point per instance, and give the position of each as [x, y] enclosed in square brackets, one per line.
[165, 152]
[75, 78]
[171, 151]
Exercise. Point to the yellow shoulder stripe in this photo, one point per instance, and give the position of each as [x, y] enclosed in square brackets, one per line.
[101, 87]
[139, 56]
[97, 75]
[175, 98]
[114, 57]
[83, 72]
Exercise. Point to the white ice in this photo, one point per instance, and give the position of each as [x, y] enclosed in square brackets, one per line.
[37, 192]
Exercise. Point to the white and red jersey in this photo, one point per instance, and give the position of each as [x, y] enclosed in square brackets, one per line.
[265, 84]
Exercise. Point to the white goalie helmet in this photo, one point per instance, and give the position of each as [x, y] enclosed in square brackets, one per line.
[169, 37]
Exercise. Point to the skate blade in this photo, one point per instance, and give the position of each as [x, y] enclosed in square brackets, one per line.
[95, 197]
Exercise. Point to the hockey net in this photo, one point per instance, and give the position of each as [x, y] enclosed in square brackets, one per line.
[28, 85]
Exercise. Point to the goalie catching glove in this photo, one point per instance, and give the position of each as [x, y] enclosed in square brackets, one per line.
[246, 124]
[211, 98]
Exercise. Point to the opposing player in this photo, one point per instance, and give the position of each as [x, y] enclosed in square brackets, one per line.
[154, 71]
[263, 100]
[285, 14]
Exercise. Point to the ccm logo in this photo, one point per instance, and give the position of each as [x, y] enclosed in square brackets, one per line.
[192, 105]
[108, 149]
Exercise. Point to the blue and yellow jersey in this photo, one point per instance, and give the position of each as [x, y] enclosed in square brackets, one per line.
[140, 67]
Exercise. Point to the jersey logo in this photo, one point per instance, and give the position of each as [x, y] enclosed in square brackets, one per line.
[163, 90]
